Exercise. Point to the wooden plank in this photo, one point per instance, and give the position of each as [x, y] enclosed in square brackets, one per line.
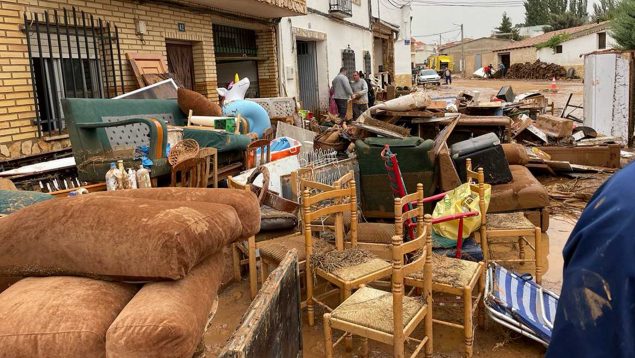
[143, 64]
[272, 326]
[599, 156]
[92, 188]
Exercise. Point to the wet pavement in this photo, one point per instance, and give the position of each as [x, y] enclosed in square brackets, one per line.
[490, 341]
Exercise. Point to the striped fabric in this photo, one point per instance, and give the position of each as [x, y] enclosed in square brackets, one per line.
[522, 302]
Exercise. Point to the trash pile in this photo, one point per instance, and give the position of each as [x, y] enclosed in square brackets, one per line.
[538, 71]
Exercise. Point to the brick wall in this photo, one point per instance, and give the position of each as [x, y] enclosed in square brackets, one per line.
[17, 108]
[268, 65]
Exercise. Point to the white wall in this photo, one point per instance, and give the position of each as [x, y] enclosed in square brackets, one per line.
[400, 18]
[335, 37]
[571, 50]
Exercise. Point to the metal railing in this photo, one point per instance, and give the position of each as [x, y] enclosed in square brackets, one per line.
[71, 55]
[341, 6]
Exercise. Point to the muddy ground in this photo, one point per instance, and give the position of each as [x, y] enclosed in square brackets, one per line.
[492, 340]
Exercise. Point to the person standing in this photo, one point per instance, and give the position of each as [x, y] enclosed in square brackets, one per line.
[371, 89]
[342, 92]
[360, 95]
[448, 76]
[502, 69]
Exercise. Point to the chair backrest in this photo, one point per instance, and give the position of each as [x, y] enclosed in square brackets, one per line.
[206, 154]
[413, 205]
[253, 157]
[333, 202]
[188, 173]
[421, 249]
[315, 187]
[478, 178]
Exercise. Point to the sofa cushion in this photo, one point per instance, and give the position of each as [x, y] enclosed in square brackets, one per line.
[59, 316]
[167, 319]
[524, 192]
[244, 202]
[515, 153]
[116, 237]
[199, 104]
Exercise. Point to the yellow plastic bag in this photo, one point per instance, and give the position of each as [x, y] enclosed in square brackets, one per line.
[463, 199]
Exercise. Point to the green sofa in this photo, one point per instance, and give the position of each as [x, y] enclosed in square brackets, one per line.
[416, 167]
[105, 130]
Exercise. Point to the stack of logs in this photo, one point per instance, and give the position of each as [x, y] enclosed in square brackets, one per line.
[538, 70]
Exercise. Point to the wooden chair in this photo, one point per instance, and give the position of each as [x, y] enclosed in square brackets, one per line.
[188, 173]
[386, 317]
[505, 226]
[345, 278]
[268, 134]
[450, 275]
[210, 164]
[253, 158]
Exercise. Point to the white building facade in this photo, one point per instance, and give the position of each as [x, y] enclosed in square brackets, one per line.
[334, 34]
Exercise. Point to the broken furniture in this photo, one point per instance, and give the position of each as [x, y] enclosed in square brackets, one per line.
[209, 171]
[520, 304]
[257, 153]
[505, 226]
[189, 174]
[467, 127]
[75, 316]
[280, 109]
[103, 130]
[391, 317]
[485, 152]
[147, 68]
[524, 193]
[416, 167]
[605, 156]
[272, 325]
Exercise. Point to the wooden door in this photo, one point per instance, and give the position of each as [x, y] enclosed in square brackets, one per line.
[181, 63]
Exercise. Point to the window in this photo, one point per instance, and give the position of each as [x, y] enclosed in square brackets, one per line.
[559, 49]
[348, 61]
[234, 41]
[602, 40]
[367, 64]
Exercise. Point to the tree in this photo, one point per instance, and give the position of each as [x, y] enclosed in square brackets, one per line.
[604, 11]
[567, 13]
[536, 12]
[623, 25]
[565, 21]
[506, 30]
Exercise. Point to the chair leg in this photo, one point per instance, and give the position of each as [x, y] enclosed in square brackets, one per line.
[429, 348]
[521, 249]
[328, 336]
[348, 341]
[468, 324]
[236, 262]
[365, 351]
[538, 254]
[253, 274]
[309, 294]
[481, 302]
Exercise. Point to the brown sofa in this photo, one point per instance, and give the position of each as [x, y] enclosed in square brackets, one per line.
[82, 310]
[524, 193]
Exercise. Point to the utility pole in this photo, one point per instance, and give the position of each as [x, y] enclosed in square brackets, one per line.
[439, 47]
[462, 54]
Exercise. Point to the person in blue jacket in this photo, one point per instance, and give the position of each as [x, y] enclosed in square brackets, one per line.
[596, 310]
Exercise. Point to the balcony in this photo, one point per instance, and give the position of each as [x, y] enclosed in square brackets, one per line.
[268, 9]
[341, 8]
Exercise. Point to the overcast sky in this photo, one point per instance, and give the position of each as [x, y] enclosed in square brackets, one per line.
[477, 21]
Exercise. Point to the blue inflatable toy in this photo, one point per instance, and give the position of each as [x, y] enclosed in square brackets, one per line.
[256, 116]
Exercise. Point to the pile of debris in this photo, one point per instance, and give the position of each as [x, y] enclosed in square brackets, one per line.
[538, 71]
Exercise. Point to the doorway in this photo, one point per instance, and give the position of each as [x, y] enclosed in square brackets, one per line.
[181, 63]
[307, 75]
[504, 58]
[478, 62]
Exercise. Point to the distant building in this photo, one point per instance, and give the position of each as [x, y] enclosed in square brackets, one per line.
[420, 52]
[580, 40]
[478, 52]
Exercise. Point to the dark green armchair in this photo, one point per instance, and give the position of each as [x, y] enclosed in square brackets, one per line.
[105, 130]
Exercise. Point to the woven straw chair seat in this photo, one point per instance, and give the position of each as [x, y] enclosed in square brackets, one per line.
[375, 233]
[450, 271]
[274, 250]
[372, 308]
[508, 221]
[369, 267]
